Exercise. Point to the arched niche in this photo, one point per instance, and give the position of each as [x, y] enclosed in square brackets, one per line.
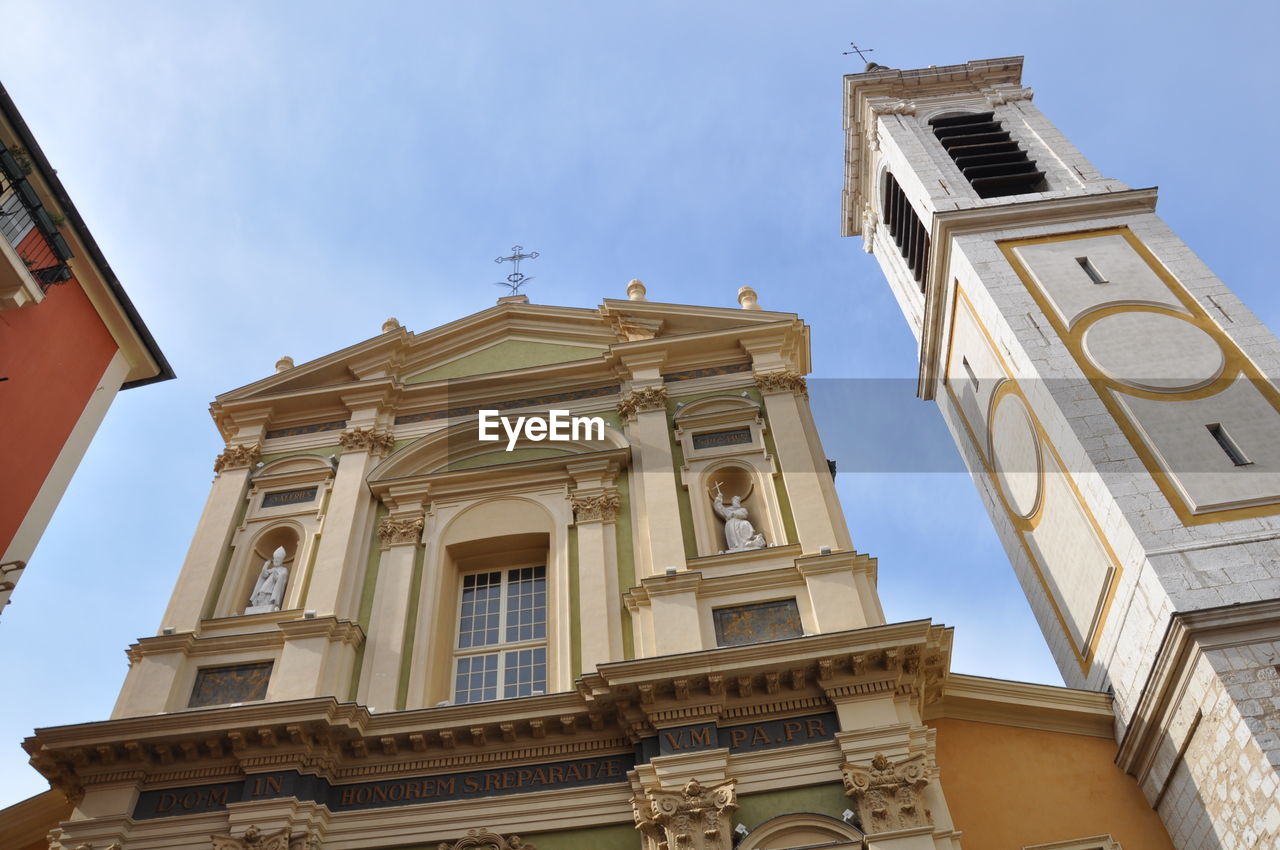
[502, 533]
[246, 565]
[722, 438]
[802, 829]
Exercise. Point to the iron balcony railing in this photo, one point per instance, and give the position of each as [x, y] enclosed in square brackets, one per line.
[27, 226]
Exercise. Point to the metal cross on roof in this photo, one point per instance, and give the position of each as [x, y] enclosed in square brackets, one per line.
[859, 50]
[515, 280]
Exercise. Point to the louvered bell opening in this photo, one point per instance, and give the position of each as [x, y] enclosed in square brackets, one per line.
[988, 157]
[905, 229]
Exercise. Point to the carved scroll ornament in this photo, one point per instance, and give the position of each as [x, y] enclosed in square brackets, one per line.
[784, 381]
[692, 818]
[887, 794]
[367, 439]
[256, 839]
[395, 530]
[645, 398]
[483, 839]
[602, 507]
[236, 457]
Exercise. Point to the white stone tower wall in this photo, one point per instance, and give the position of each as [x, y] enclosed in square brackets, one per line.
[1086, 410]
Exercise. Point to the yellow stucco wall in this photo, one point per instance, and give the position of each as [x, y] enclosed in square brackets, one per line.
[1008, 787]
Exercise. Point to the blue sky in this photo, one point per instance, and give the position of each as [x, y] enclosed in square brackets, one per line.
[272, 179]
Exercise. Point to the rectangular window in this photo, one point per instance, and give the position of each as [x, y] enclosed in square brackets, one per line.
[1091, 270]
[973, 379]
[502, 635]
[1228, 445]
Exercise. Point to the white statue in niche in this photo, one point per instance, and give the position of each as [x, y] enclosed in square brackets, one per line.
[739, 534]
[268, 592]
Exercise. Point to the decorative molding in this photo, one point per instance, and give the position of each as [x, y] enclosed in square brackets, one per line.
[483, 839]
[692, 818]
[371, 440]
[508, 404]
[887, 794]
[602, 507]
[236, 457]
[894, 107]
[254, 839]
[397, 530]
[645, 398]
[1000, 96]
[785, 381]
[299, 430]
[56, 835]
[869, 222]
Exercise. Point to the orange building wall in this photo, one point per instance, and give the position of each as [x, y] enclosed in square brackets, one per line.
[53, 354]
[1008, 787]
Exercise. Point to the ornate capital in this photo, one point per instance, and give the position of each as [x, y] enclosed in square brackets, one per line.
[692, 818]
[645, 398]
[785, 381]
[396, 530]
[1000, 96]
[236, 457]
[602, 507]
[483, 839]
[255, 839]
[367, 439]
[887, 795]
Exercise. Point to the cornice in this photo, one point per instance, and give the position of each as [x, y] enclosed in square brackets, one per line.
[947, 226]
[344, 740]
[503, 476]
[1188, 635]
[1042, 707]
[861, 89]
[147, 363]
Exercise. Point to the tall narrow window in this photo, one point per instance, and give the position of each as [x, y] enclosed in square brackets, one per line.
[905, 228]
[987, 155]
[1091, 270]
[973, 379]
[1228, 445]
[502, 635]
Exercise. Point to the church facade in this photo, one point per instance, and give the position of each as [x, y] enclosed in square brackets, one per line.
[392, 632]
[1116, 405]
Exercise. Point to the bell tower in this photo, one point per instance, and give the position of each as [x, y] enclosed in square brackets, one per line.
[1116, 406]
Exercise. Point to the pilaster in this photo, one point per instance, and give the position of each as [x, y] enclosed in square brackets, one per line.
[810, 487]
[401, 534]
[340, 555]
[196, 585]
[673, 601]
[643, 408]
[595, 509]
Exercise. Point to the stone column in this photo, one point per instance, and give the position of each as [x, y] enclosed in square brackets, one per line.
[194, 590]
[656, 505]
[341, 554]
[810, 488]
[598, 612]
[401, 534]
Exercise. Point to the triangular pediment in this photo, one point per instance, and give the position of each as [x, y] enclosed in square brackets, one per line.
[504, 338]
[504, 355]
